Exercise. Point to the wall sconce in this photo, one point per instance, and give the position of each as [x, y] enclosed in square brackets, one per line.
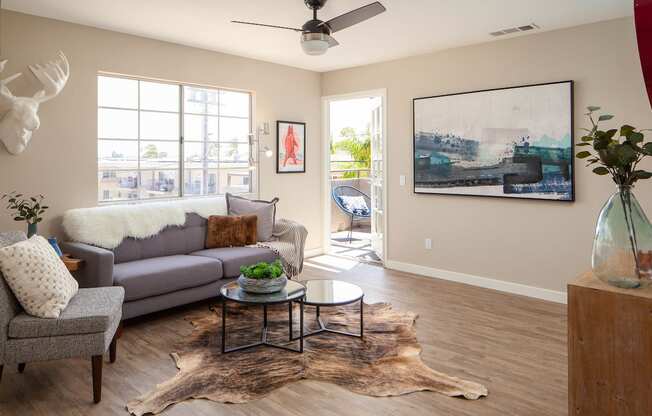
[263, 129]
[254, 141]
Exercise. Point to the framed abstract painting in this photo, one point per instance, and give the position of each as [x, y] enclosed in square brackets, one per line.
[290, 147]
[512, 142]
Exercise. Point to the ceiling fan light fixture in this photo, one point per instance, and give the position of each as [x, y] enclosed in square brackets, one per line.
[315, 43]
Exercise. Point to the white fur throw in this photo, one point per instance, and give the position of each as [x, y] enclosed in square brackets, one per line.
[107, 226]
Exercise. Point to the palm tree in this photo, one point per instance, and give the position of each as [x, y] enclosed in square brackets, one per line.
[358, 148]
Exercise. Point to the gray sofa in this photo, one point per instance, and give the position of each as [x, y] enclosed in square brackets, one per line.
[170, 269]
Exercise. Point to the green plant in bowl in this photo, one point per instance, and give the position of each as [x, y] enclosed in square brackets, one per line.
[263, 270]
[262, 277]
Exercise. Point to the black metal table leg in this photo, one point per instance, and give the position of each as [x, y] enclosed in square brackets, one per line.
[290, 319]
[301, 326]
[362, 317]
[324, 328]
[223, 325]
[263, 340]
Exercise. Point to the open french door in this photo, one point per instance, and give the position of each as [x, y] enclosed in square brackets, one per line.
[377, 174]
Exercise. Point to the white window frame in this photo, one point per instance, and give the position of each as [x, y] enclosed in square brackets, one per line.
[252, 167]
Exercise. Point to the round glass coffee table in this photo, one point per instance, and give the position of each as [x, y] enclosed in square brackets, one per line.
[293, 292]
[328, 293]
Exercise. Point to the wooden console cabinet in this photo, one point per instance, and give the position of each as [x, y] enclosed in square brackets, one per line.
[609, 349]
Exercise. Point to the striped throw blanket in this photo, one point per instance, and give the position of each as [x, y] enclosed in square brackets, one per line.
[289, 243]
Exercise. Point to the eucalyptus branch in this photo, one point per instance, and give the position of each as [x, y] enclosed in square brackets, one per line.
[617, 151]
[29, 209]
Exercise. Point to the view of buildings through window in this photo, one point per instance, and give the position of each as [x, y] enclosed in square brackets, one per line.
[154, 136]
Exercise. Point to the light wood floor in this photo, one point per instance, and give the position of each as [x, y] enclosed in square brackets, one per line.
[514, 345]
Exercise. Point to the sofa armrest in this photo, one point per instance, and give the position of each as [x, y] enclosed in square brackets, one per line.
[98, 268]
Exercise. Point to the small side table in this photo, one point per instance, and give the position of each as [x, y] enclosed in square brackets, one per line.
[71, 263]
[293, 292]
[609, 349]
[329, 293]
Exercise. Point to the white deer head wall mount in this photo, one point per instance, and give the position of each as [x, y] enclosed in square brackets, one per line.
[19, 115]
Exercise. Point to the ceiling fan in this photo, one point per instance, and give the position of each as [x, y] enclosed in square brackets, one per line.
[316, 34]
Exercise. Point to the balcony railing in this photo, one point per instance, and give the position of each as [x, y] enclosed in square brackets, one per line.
[349, 169]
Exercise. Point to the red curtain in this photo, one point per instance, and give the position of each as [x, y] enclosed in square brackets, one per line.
[643, 20]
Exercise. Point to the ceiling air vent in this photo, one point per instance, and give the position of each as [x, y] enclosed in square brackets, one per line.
[525, 28]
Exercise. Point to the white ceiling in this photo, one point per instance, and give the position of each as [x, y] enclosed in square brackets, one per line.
[408, 27]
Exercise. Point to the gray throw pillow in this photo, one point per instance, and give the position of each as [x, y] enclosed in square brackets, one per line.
[264, 210]
[11, 237]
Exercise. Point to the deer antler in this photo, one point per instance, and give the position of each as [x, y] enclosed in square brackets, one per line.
[53, 76]
[6, 96]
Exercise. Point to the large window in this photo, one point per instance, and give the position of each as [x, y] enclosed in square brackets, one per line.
[163, 140]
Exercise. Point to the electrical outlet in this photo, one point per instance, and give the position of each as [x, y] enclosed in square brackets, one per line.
[402, 180]
[428, 244]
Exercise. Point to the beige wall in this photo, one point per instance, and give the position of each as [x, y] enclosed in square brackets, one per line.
[538, 243]
[61, 160]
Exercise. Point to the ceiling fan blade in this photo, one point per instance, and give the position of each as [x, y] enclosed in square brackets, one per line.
[355, 16]
[264, 25]
[332, 42]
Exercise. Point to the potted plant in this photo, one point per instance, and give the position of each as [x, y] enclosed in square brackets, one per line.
[30, 210]
[263, 277]
[622, 249]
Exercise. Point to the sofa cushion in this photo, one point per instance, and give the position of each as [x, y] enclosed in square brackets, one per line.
[156, 276]
[169, 242]
[234, 257]
[89, 311]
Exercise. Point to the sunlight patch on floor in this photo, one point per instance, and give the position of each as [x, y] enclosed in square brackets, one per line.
[331, 263]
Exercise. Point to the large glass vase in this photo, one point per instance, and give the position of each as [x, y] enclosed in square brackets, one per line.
[622, 249]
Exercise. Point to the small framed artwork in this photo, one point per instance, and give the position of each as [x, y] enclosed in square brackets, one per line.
[290, 147]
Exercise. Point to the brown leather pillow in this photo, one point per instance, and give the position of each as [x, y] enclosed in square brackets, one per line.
[231, 230]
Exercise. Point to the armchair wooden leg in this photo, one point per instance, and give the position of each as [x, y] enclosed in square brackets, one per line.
[96, 361]
[21, 367]
[113, 348]
[1, 368]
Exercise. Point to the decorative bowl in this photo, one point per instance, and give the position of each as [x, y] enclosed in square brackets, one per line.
[262, 285]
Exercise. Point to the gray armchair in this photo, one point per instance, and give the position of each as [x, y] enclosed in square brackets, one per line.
[86, 328]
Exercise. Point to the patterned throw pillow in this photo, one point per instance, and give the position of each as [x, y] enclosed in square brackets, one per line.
[355, 204]
[37, 276]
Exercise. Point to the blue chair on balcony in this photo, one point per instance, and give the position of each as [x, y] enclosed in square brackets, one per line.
[353, 202]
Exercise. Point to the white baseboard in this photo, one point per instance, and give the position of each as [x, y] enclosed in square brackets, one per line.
[500, 285]
[313, 252]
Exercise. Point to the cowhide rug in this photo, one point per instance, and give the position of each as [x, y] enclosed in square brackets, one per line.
[386, 363]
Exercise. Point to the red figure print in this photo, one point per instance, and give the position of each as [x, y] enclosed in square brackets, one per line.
[291, 146]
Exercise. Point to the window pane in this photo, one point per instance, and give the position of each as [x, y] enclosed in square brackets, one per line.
[117, 92]
[117, 124]
[235, 180]
[234, 103]
[200, 182]
[200, 100]
[159, 96]
[117, 186]
[231, 152]
[159, 126]
[159, 155]
[197, 152]
[234, 129]
[117, 154]
[200, 127]
[159, 183]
